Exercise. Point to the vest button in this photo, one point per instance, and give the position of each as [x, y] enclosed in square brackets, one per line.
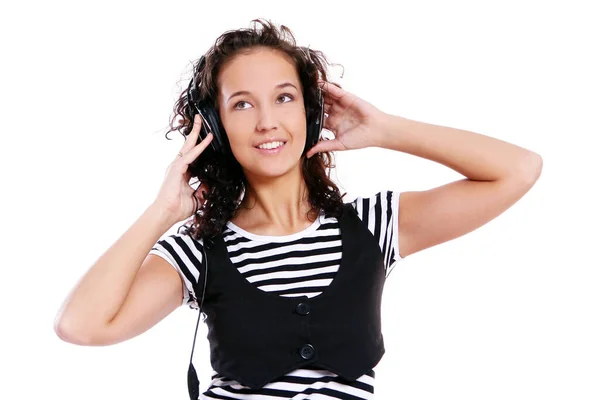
[303, 309]
[307, 351]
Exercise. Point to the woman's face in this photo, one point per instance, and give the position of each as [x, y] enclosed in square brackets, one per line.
[260, 100]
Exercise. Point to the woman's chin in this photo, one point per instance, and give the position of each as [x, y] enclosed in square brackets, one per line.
[273, 170]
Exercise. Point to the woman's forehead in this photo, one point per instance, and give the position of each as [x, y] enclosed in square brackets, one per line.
[261, 70]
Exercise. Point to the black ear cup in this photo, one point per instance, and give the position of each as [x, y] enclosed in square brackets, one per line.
[210, 118]
[211, 122]
[314, 122]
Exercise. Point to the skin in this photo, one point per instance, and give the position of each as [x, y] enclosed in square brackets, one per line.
[276, 202]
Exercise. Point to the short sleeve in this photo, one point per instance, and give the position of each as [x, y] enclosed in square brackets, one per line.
[379, 213]
[186, 255]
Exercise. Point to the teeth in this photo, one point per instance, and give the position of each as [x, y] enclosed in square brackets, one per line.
[270, 145]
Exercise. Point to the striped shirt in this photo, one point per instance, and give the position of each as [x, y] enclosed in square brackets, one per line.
[318, 249]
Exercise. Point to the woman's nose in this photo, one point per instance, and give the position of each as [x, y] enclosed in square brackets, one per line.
[267, 119]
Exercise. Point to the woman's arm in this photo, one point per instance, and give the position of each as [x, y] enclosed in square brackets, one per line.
[497, 175]
[119, 297]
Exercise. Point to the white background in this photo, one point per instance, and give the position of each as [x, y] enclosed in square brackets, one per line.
[509, 311]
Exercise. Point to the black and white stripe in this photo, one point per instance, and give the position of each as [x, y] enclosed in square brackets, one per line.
[302, 264]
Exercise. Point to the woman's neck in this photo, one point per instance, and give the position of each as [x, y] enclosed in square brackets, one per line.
[276, 204]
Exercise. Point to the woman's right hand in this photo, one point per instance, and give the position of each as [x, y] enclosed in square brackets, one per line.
[176, 195]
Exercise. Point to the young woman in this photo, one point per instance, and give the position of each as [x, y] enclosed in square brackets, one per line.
[288, 275]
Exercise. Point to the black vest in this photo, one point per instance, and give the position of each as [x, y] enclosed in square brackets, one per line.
[256, 336]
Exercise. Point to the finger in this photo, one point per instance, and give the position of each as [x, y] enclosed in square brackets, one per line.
[191, 155]
[330, 89]
[330, 124]
[322, 146]
[192, 137]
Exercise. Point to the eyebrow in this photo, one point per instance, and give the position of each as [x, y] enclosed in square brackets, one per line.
[241, 92]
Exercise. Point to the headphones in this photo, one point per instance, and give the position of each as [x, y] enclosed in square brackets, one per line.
[211, 122]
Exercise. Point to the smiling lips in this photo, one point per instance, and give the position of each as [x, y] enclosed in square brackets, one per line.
[271, 147]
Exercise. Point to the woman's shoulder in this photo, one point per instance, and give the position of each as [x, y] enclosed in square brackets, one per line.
[179, 244]
[182, 232]
[374, 200]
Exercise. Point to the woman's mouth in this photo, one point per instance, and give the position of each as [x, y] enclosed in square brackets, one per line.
[271, 147]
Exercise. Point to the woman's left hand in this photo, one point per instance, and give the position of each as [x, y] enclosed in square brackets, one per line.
[354, 122]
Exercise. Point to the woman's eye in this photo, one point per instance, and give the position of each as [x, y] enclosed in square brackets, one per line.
[287, 95]
[237, 104]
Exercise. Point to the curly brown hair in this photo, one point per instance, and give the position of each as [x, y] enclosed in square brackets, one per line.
[223, 174]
